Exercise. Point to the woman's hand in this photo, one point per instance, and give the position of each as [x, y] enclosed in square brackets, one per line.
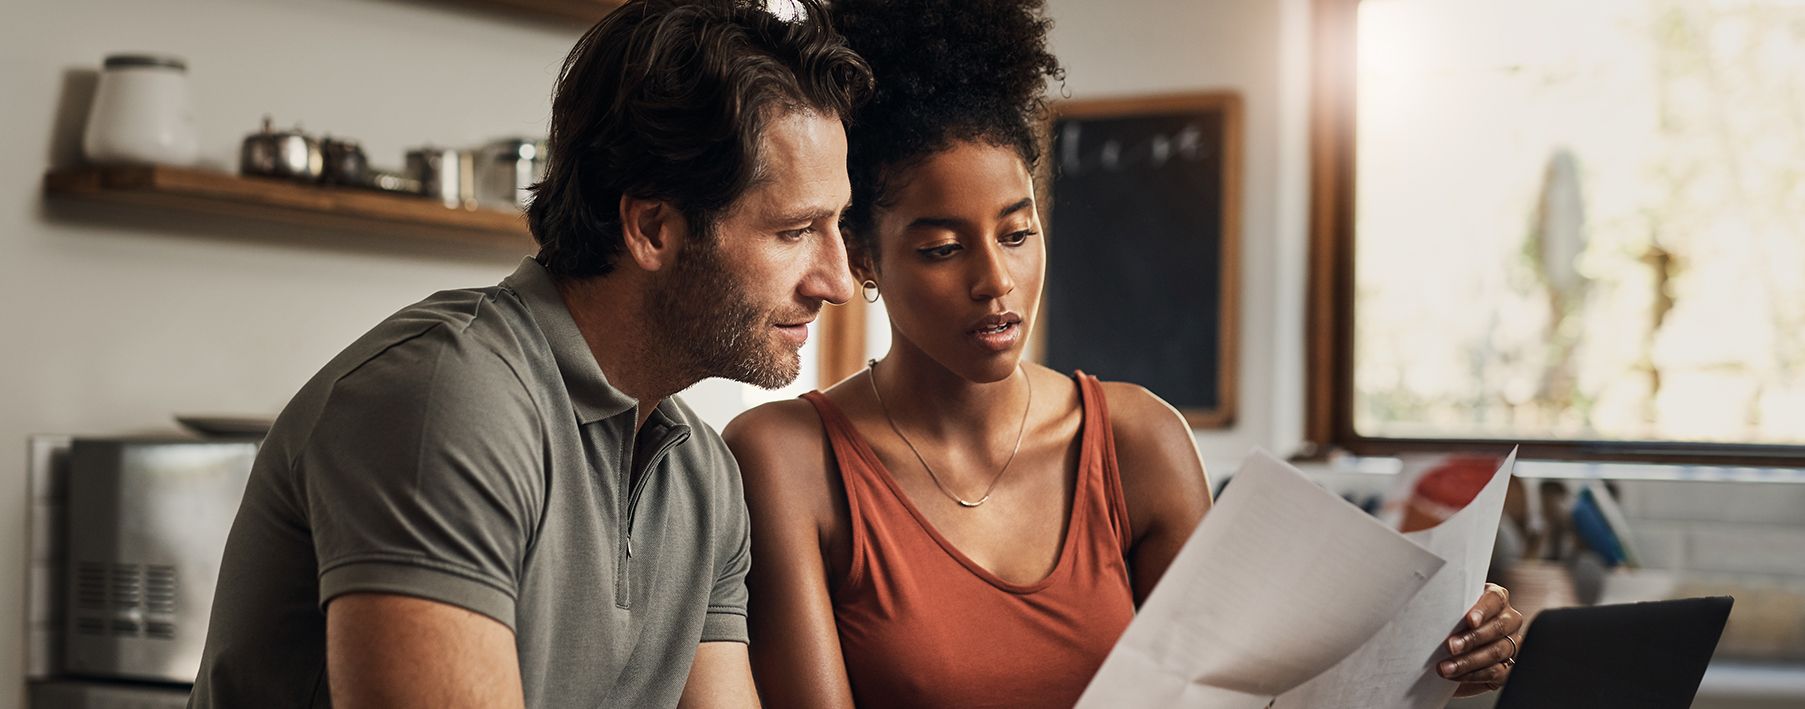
[1484, 652]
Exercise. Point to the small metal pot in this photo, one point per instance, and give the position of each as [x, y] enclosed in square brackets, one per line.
[288, 154]
[446, 173]
[346, 163]
[506, 169]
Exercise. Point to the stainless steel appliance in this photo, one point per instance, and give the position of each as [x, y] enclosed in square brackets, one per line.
[146, 524]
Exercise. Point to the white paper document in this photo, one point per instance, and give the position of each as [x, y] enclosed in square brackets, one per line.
[1281, 581]
[1396, 668]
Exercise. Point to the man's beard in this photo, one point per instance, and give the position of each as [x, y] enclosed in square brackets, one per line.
[710, 326]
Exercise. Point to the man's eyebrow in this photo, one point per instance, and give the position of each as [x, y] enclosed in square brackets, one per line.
[808, 216]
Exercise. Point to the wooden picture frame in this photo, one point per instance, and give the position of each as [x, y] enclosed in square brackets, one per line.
[1177, 191]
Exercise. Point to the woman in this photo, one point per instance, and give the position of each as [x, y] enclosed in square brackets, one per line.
[955, 526]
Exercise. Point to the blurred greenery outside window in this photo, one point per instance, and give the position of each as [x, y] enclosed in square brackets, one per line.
[1580, 220]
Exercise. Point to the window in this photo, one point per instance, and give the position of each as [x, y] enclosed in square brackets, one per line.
[1580, 224]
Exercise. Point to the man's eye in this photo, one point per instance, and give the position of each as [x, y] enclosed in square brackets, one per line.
[796, 234]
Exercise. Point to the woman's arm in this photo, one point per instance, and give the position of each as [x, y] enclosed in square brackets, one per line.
[787, 469]
[1163, 481]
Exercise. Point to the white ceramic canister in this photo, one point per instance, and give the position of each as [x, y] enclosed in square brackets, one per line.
[142, 113]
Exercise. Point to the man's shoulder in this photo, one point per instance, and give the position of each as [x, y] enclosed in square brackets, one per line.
[450, 333]
[467, 349]
[489, 319]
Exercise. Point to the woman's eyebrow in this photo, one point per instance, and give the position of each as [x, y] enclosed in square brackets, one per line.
[955, 222]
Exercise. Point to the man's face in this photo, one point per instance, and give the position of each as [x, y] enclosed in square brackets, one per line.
[737, 303]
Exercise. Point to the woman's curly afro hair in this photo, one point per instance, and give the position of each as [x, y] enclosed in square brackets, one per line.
[946, 71]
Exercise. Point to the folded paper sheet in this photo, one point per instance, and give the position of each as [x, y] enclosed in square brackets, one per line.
[1396, 668]
[1281, 581]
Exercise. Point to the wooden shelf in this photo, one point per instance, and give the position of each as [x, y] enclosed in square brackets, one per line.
[209, 192]
[584, 12]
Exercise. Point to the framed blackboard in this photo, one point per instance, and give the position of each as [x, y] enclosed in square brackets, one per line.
[1142, 259]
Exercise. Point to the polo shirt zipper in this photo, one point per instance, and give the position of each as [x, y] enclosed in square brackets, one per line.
[621, 585]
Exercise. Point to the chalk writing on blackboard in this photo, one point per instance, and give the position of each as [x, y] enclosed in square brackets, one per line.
[1078, 155]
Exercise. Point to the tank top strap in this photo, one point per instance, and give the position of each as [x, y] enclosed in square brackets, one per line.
[855, 479]
[841, 436]
[1100, 439]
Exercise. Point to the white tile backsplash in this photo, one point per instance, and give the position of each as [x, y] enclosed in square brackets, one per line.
[1746, 548]
[1662, 545]
[43, 591]
[43, 622]
[46, 542]
[46, 457]
[43, 595]
[1750, 502]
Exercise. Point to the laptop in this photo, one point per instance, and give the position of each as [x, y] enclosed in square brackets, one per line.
[1642, 655]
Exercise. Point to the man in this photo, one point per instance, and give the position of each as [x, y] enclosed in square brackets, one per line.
[493, 499]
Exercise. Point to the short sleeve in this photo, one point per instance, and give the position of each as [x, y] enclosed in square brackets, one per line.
[423, 477]
[726, 621]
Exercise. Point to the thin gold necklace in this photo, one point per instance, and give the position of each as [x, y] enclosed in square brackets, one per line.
[871, 376]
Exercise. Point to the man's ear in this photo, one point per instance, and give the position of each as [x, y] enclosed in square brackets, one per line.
[653, 231]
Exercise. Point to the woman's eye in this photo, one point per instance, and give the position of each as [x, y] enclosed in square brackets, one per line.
[1017, 237]
[942, 251]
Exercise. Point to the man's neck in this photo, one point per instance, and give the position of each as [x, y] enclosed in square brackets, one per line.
[609, 312]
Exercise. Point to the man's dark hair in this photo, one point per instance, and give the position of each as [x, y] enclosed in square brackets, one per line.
[666, 99]
[946, 70]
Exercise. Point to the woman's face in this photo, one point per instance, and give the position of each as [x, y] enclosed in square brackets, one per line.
[961, 259]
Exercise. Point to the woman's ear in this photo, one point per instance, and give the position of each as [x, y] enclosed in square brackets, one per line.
[652, 230]
[860, 260]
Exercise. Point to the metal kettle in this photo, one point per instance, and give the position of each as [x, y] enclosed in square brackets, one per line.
[288, 154]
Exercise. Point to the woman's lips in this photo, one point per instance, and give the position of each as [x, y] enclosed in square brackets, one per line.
[1000, 338]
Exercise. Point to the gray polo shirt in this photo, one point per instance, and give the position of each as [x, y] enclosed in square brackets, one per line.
[469, 450]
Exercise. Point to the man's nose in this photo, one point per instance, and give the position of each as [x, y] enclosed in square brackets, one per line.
[828, 277]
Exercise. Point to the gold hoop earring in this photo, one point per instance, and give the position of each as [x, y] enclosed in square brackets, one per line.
[870, 287]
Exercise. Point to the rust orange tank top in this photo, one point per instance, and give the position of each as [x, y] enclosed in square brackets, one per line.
[922, 626]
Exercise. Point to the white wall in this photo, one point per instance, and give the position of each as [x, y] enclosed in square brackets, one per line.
[1258, 48]
[121, 317]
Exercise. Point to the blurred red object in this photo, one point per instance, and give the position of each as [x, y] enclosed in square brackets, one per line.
[1445, 488]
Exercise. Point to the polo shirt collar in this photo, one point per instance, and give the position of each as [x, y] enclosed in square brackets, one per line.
[591, 396]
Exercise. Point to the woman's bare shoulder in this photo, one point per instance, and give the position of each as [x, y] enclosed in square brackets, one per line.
[1155, 446]
[779, 423]
[785, 461]
[1141, 418]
